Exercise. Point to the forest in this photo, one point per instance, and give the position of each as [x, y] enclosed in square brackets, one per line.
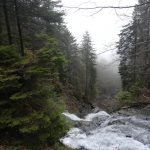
[133, 48]
[45, 71]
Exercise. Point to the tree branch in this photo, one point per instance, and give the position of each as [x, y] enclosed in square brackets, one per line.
[106, 7]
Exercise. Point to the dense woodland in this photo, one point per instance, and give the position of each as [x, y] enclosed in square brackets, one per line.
[39, 61]
[134, 51]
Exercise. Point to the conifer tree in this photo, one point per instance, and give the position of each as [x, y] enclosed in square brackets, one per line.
[89, 59]
[134, 49]
[30, 109]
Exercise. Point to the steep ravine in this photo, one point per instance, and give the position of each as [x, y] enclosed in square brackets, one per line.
[124, 130]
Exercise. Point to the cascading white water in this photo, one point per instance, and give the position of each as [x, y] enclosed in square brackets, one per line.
[101, 131]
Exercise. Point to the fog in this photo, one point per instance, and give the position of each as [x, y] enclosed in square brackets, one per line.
[108, 78]
[104, 27]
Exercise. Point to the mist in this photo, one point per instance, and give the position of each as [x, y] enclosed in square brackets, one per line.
[108, 77]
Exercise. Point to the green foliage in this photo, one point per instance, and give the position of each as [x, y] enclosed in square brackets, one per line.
[58, 146]
[30, 106]
[35, 17]
[89, 61]
[125, 97]
[30, 87]
[130, 96]
[134, 89]
[134, 59]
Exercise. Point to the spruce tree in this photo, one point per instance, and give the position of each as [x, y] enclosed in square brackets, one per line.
[30, 106]
[89, 61]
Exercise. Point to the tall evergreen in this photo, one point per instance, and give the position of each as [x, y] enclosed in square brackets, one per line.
[74, 74]
[30, 111]
[89, 61]
[134, 50]
[39, 59]
[30, 74]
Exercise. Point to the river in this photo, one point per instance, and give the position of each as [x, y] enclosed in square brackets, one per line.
[124, 130]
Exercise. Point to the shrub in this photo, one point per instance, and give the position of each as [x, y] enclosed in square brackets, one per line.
[58, 146]
[134, 89]
[125, 97]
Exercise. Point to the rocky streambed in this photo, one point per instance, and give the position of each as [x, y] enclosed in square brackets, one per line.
[127, 129]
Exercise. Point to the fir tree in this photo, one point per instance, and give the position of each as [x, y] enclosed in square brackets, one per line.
[30, 109]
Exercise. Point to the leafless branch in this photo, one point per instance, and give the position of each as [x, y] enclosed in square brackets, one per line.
[97, 12]
[106, 51]
[89, 2]
[117, 14]
[112, 63]
[106, 7]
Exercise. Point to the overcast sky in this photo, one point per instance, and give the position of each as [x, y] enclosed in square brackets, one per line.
[104, 26]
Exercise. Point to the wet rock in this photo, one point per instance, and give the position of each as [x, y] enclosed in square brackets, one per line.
[96, 110]
[129, 136]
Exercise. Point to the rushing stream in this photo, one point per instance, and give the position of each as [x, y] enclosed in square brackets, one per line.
[124, 130]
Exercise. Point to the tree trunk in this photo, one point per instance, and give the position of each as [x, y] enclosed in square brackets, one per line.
[19, 29]
[86, 79]
[135, 52]
[1, 28]
[7, 21]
